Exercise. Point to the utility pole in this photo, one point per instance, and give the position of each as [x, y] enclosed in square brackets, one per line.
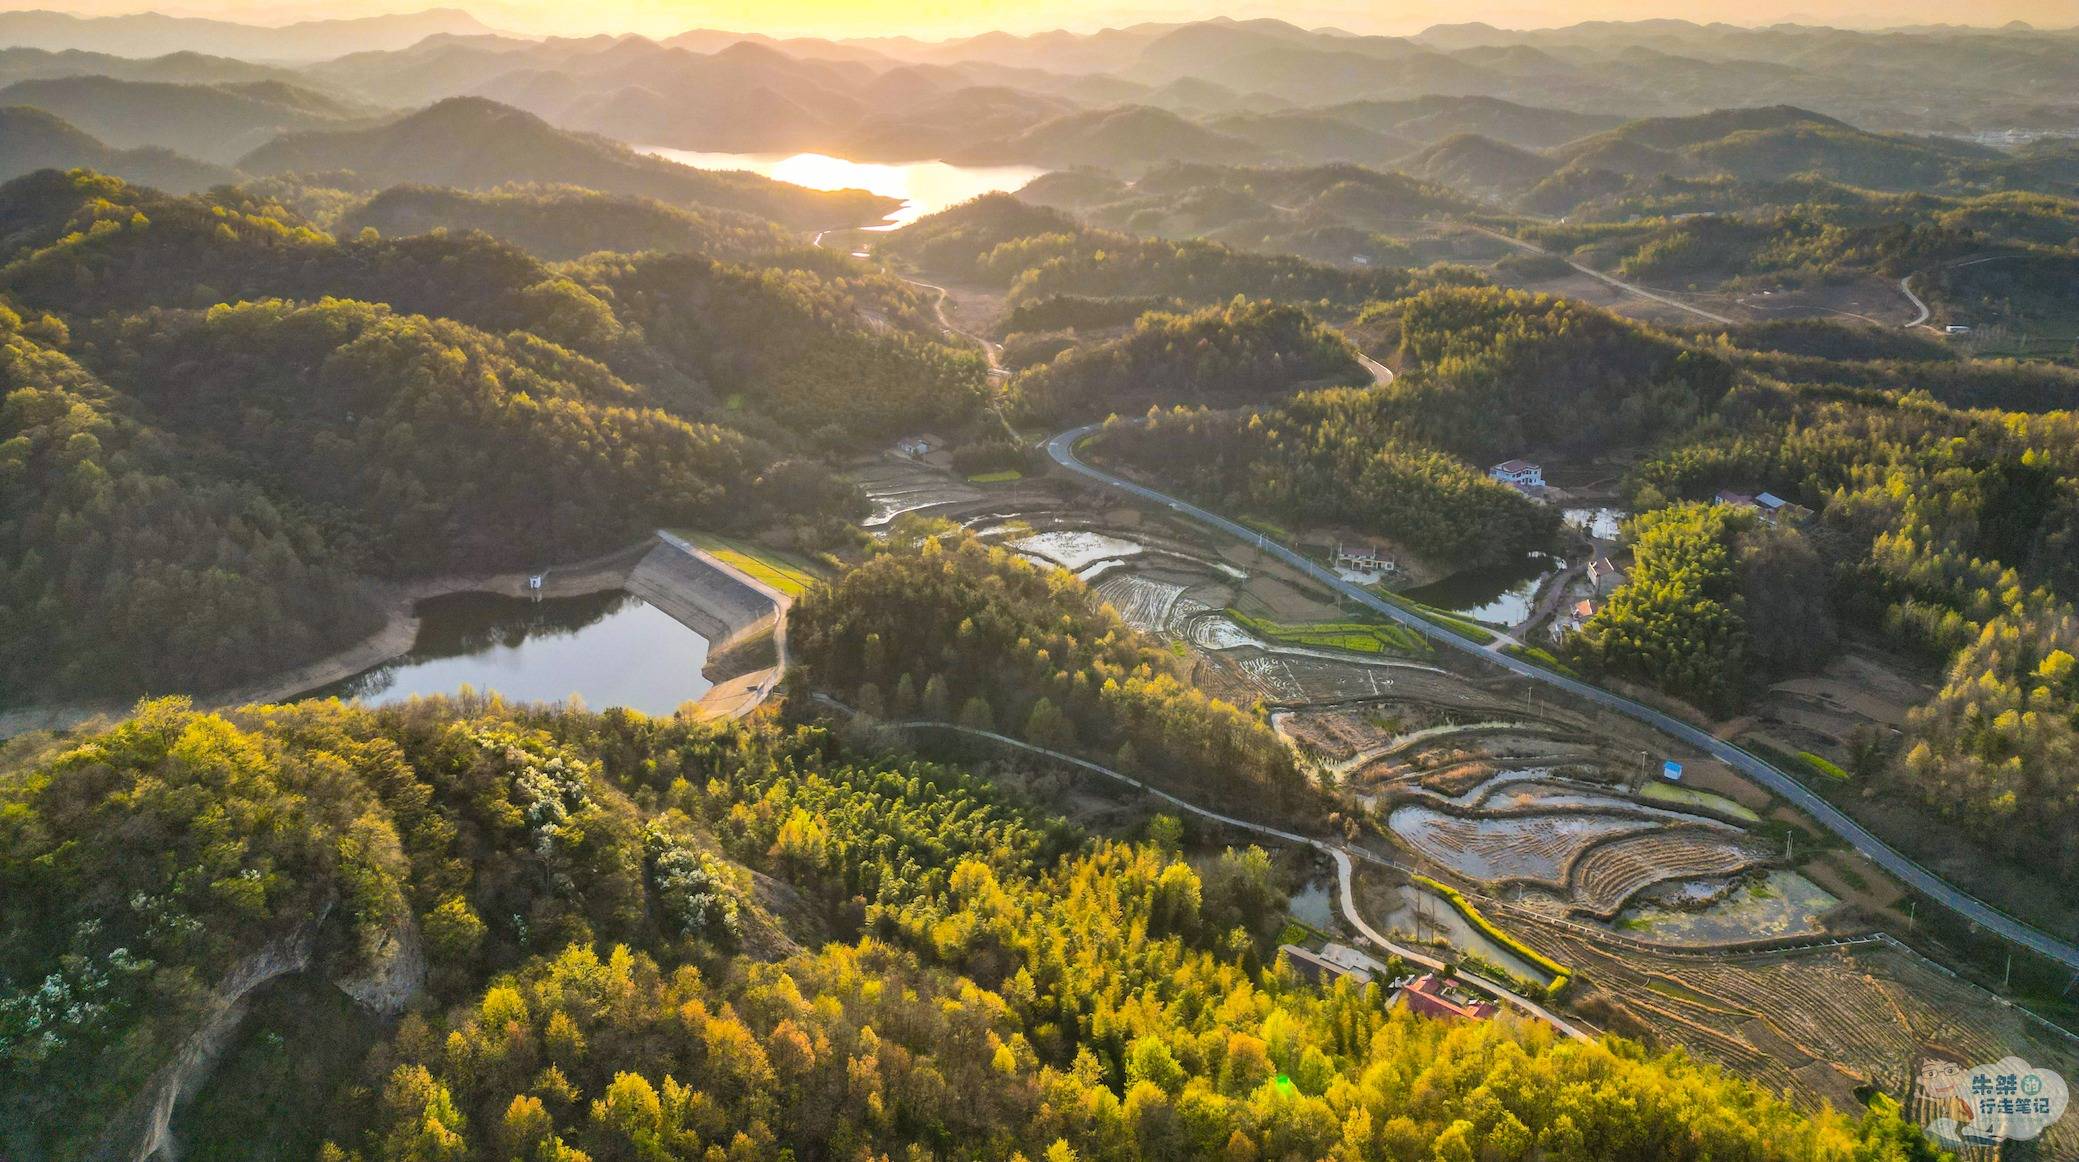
[2007, 981]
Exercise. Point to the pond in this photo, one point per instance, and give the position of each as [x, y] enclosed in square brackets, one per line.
[1423, 917]
[1604, 524]
[1311, 904]
[1777, 904]
[1500, 595]
[925, 187]
[611, 649]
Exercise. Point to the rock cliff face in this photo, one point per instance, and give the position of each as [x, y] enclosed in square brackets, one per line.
[144, 1129]
[395, 974]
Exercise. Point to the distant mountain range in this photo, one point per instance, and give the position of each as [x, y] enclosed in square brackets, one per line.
[1527, 121]
[216, 122]
[31, 140]
[151, 34]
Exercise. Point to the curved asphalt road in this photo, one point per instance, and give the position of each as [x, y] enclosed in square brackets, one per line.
[1063, 450]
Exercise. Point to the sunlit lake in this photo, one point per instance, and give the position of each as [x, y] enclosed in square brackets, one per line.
[925, 187]
[612, 649]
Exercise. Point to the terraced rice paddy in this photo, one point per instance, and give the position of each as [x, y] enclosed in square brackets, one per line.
[1500, 848]
[1594, 850]
[1215, 632]
[1817, 1022]
[1076, 549]
[1294, 677]
[1611, 873]
[1146, 603]
[894, 489]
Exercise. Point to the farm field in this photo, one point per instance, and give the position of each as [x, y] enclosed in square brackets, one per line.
[1534, 848]
[790, 573]
[1146, 603]
[1362, 637]
[1818, 1022]
[1526, 801]
[1680, 796]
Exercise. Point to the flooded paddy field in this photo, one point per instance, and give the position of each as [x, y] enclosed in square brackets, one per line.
[1776, 904]
[1497, 849]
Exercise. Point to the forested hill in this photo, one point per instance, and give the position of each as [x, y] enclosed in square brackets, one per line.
[32, 139]
[1033, 253]
[559, 223]
[317, 411]
[644, 938]
[961, 629]
[477, 144]
[1245, 352]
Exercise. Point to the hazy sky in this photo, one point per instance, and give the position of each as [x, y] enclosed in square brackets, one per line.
[960, 17]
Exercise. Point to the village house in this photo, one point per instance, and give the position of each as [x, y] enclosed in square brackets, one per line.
[1578, 614]
[919, 446]
[1363, 559]
[1771, 507]
[1430, 996]
[1604, 574]
[1518, 473]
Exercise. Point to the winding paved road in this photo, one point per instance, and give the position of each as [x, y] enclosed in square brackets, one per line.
[1062, 449]
[1906, 289]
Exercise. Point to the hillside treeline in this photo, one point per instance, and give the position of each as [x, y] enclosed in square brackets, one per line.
[1035, 254]
[221, 420]
[969, 633]
[652, 939]
[1954, 535]
[1244, 352]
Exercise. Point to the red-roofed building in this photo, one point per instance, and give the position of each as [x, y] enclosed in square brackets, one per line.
[1430, 996]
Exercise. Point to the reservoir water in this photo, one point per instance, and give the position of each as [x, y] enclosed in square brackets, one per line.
[925, 187]
[611, 649]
